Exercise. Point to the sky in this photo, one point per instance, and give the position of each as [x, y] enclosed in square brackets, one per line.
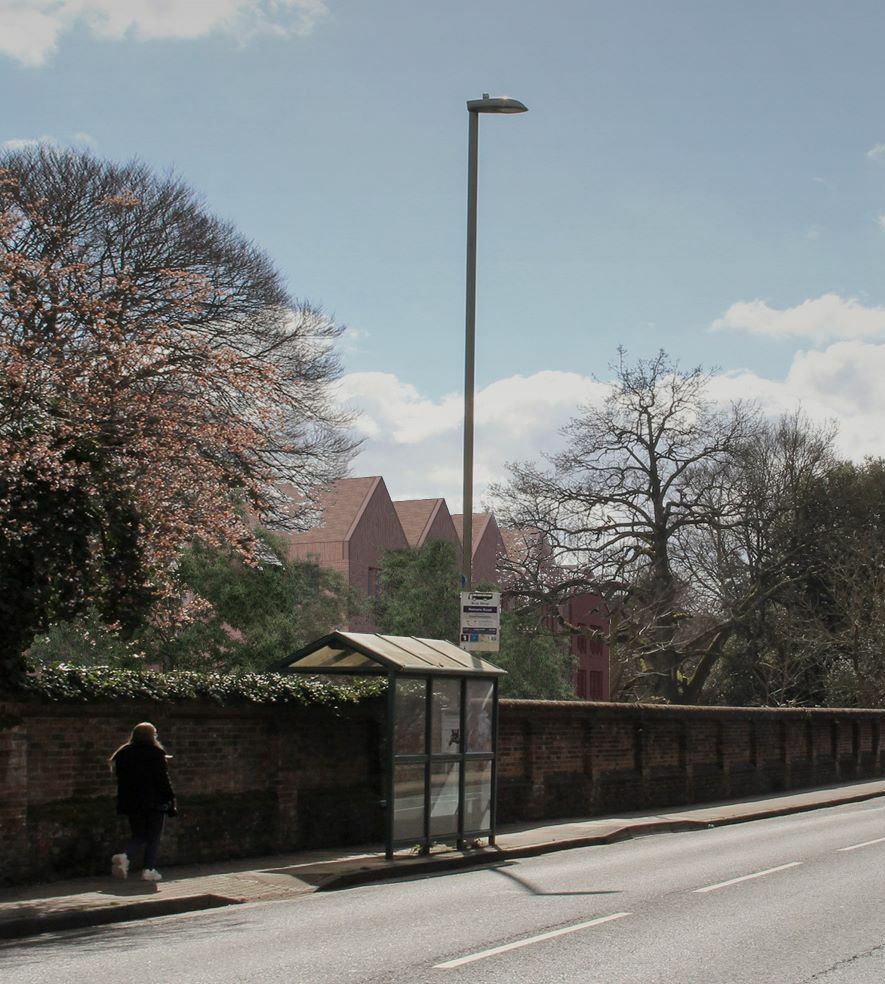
[702, 176]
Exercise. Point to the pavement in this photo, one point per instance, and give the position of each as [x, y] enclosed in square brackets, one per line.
[83, 902]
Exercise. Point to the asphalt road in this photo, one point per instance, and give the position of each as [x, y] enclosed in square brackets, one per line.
[791, 900]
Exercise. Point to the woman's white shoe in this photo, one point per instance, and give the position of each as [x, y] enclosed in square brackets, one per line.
[151, 874]
[119, 865]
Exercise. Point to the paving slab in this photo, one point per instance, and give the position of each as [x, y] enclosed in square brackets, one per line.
[74, 904]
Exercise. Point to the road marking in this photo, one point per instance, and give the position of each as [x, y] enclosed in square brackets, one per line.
[757, 874]
[450, 964]
[854, 847]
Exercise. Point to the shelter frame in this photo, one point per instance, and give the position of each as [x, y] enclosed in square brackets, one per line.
[442, 732]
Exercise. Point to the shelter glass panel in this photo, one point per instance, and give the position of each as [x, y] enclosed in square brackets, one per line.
[444, 796]
[410, 716]
[408, 802]
[445, 734]
[480, 707]
[478, 796]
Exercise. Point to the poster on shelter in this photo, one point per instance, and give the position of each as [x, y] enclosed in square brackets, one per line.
[480, 621]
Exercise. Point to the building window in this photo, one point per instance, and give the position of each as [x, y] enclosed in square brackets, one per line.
[312, 571]
[594, 686]
[581, 684]
[373, 585]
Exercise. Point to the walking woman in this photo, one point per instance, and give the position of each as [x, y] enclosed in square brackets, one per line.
[145, 796]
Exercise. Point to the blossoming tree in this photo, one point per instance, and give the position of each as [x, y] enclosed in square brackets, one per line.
[157, 385]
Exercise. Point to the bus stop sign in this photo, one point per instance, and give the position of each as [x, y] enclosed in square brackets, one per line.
[480, 621]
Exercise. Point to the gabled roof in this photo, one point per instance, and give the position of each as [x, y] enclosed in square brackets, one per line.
[364, 652]
[480, 525]
[341, 506]
[417, 516]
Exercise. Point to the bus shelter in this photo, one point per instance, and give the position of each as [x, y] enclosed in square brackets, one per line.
[442, 727]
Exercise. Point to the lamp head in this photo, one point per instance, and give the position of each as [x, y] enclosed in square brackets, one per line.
[495, 104]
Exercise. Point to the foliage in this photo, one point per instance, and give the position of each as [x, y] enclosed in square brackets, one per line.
[85, 641]
[420, 596]
[88, 684]
[155, 378]
[818, 637]
[419, 592]
[538, 663]
[260, 612]
[762, 573]
[253, 616]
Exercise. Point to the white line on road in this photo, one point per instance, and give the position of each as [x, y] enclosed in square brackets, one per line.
[854, 847]
[757, 874]
[449, 964]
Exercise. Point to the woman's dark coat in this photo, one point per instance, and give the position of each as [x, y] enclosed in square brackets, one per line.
[142, 780]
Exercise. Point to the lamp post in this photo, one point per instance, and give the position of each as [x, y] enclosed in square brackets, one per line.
[487, 104]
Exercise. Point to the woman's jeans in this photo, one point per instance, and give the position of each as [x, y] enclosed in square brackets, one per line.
[147, 828]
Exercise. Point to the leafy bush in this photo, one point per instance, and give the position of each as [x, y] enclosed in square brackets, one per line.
[85, 641]
[84, 684]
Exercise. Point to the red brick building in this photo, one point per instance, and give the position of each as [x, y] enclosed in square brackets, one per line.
[592, 670]
[487, 546]
[529, 552]
[359, 522]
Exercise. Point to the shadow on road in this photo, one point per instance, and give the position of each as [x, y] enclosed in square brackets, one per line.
[527, 886]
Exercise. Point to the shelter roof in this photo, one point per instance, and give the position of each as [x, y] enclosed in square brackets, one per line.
[358, 653]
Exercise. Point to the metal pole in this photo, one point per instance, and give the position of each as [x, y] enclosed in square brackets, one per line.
[428, 759]
[469, 354]
[462, 763]
[390, 781]
[493, 801]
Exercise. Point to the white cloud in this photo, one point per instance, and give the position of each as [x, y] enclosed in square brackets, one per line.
[30, 29]
[351, 341]
[397, 410]
[823, 319]
[841, 383]
[22, 143]
[415, 443]
[881, 220]
[877, 153]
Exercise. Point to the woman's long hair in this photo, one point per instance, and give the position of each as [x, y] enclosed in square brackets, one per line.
[142, 734]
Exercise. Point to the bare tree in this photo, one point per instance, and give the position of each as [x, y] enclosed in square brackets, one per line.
[619, 509]
[767, 573]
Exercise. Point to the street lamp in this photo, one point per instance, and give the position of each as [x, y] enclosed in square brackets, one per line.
[487, 104]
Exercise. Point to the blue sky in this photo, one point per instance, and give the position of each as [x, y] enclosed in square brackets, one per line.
[702, 176]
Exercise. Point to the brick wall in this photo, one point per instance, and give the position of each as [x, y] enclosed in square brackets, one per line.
[561, 759]
[256, 780]
[250, 780]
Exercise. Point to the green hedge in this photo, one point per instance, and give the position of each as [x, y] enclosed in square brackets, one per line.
[96, 683]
